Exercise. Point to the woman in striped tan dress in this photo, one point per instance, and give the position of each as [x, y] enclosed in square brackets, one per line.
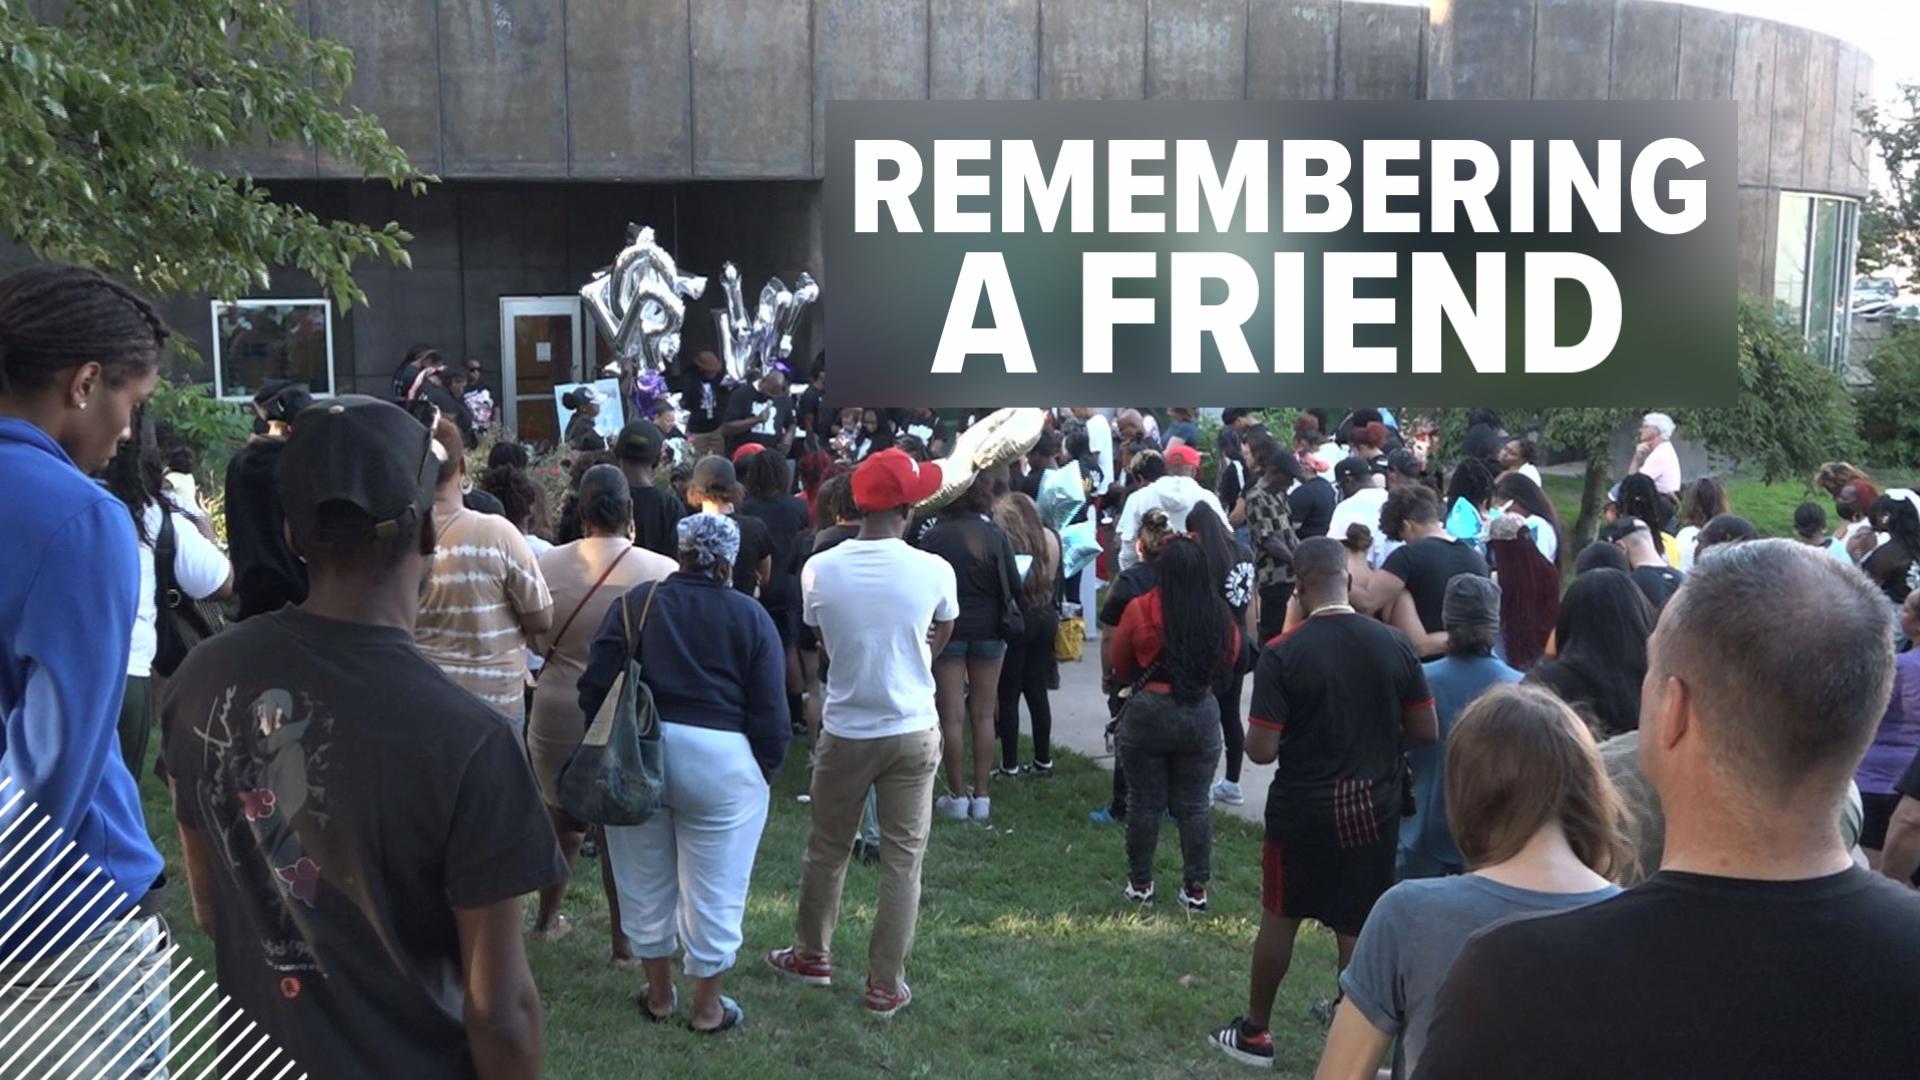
[484, 597]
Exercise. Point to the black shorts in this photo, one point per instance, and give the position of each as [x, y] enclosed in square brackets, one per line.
[1334, 886]
[786, 622]
[1876, 812]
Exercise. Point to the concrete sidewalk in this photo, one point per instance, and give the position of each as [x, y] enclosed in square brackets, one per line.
[1080, 721]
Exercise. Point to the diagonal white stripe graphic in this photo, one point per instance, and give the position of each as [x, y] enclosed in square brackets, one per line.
[91, 988]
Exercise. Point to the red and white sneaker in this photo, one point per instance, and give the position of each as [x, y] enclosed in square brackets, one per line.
[807, 972]
[1243, 1046]
[884, 1003]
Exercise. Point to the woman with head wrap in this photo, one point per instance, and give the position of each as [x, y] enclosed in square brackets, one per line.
[717, 672]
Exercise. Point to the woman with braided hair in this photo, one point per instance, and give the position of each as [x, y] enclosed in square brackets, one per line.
[79, 353]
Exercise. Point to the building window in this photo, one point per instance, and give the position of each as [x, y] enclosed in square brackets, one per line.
[1813, 271]
[258, 341]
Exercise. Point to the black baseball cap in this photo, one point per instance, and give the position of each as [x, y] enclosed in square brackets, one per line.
[366, 453]
[1352, 468]
[284, 401]
[639, 441]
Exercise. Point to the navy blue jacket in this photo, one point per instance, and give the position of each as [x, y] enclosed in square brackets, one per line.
[710, 655]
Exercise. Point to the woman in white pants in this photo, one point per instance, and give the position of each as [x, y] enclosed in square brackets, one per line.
[717, 670]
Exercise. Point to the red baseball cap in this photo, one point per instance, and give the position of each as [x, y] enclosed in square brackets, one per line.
[1183, 455]
[891, 479]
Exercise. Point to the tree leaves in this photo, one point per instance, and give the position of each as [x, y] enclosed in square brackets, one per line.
[111, 122]
[1890, 220]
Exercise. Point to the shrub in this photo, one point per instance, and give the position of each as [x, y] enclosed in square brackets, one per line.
[215, 429]
[1890, 404]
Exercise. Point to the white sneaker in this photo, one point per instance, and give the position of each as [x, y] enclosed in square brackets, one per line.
[980, 808]
[951, 808]
[1228, 792]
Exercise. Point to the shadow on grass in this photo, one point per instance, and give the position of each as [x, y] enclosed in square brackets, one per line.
[1028, 960]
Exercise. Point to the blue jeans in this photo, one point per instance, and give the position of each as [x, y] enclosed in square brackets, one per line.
[97, 1008]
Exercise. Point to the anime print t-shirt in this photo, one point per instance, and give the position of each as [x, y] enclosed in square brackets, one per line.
[350, 797]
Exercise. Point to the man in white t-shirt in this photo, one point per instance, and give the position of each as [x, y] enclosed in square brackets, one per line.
[1655, 457]
[1361, 500]
[883, 610]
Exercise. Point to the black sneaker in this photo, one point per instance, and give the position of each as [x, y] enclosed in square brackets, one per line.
[1194, 898]
[1041, 768]
[866, 853]
[1243, 1046]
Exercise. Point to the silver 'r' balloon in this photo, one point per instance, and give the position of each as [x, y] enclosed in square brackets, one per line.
[639, 303]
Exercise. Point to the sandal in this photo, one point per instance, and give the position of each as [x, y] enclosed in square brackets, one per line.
[560, 927]
[646, 1010]
[731, 1017]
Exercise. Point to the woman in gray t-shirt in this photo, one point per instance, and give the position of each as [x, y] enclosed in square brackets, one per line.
[1540, 825]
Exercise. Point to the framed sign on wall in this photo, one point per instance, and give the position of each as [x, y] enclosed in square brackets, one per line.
[259, 341]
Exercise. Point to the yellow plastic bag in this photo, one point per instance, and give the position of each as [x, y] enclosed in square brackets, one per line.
[1069, 639]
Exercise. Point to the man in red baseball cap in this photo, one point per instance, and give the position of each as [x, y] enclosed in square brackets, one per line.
[883, 610]
[1175, 491]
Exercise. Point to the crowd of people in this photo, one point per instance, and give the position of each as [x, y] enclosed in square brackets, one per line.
[1697, 764]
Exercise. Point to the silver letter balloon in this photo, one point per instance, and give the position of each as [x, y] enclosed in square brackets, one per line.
[752, 342]
[639, 303]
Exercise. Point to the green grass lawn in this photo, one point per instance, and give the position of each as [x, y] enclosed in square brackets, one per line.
[1769, 506]
[1028, 962]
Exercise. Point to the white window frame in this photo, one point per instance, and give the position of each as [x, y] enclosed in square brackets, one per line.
[213, 309]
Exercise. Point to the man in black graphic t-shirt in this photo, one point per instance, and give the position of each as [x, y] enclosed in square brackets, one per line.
[357, 829]
[1758, 950]
[703, 389]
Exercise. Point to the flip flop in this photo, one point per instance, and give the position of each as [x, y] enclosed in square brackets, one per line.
[646, 1010]
[730, 1017]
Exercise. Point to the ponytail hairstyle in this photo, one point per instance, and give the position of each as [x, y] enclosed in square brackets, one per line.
[1155, 530]
[54, 317]
[605, 501]
[1359, 538]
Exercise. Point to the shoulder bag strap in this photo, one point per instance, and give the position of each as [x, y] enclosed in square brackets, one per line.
[577, 608]
[626, 616]
[164, 546]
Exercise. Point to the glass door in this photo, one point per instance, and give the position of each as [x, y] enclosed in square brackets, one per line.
[539, 349]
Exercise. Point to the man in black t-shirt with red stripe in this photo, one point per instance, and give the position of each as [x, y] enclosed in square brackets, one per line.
[1336, 702]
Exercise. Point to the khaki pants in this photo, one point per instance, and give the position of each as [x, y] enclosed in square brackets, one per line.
[710, 442]
[900, 769]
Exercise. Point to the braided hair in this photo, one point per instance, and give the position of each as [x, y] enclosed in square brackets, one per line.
[54, 316]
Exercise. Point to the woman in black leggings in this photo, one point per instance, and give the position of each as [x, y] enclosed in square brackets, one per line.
[1231, 565]
[1029, 670]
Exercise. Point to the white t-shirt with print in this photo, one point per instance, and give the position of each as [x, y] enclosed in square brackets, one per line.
[873, 602]
[199, 568]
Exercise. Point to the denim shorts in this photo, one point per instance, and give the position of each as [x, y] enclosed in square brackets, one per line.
[974, 650]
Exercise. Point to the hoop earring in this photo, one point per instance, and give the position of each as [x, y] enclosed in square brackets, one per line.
[466, 485]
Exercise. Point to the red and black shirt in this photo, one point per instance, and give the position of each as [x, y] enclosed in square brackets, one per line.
[1337, 688]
